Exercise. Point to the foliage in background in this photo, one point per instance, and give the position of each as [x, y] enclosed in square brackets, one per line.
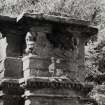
[95, 49]
[79, 9]
[95, 55]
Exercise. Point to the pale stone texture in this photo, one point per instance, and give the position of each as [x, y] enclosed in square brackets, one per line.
[3, 45]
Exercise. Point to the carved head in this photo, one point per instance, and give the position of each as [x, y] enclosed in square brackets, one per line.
[29, 42]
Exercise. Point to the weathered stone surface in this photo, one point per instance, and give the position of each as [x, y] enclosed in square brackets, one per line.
[53, 38]
[3, 45]
[50, 101]
[11, 86]
[6, 99]
[15, 45]
[50, 96]
[57, 90]
[13, 68]
[51, 92]
[56, 45]
[12, 100]
[35, 66]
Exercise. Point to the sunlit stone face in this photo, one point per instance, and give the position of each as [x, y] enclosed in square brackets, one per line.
[3, 45]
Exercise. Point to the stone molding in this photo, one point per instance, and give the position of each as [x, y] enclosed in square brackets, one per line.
[53, 82]
[11, 86]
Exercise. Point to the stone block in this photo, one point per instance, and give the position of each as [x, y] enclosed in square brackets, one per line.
[11, 86]
[50, 101]
[53, 92]
[13, 68]
[35, 66]
[6, 99]
[12, 100]
[52, 97]
[15, 41]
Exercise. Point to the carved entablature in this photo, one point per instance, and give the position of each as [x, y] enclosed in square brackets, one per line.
[11, 86]
[49, 82]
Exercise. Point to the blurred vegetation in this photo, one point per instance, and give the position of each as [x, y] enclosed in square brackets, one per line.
[95, 57]
[95, 49]
[79, 9]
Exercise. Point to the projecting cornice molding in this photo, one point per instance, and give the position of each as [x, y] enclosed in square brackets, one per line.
[22, 23]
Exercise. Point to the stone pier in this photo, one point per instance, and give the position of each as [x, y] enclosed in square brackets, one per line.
[44, 61]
